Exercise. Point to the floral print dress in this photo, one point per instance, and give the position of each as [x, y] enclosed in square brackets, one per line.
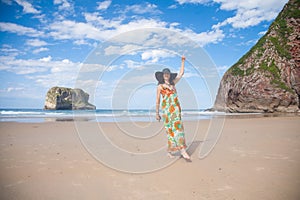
[171, 114]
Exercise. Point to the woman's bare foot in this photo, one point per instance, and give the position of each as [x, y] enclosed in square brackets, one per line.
[185, 155]
[170, 155]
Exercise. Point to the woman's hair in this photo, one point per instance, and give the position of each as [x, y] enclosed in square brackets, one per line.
[163, 81]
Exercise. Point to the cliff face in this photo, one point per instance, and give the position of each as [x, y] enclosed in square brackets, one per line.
[61, 98]
[267, 78]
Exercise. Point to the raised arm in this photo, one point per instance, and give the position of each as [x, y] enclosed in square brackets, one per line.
[158, 102]
[181, 72]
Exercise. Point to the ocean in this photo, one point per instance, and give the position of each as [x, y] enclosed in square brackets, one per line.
[99, 115]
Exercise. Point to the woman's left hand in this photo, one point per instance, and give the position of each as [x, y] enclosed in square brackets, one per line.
[182, 58]
[158, 118]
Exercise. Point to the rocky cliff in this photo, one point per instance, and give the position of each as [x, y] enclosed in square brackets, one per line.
[61, 98]
[267, 78]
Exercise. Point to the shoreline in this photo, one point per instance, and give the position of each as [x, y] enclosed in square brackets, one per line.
[144, 118]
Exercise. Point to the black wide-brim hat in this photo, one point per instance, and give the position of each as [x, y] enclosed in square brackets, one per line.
[160, 75]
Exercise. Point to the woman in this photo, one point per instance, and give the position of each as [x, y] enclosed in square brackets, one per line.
[171, 111]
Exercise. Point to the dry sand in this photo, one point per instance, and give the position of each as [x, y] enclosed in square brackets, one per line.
[255, 158]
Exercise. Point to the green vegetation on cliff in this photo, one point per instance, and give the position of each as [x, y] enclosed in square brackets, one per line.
[276, 38]
[280, 41]
[267, 77]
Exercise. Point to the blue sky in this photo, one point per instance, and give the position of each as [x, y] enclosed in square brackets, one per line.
[48, 43]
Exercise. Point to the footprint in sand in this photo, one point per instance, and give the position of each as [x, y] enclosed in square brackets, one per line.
[42, 163]
[14, 184]
[225, 187]
[13, 167]
[43, 169]
[243, 153]
[77, 184]
[276, 157]
[259, 169]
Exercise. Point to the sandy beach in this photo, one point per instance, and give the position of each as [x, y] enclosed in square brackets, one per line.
[255, 158]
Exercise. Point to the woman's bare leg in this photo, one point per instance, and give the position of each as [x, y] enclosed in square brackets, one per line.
[170, 155]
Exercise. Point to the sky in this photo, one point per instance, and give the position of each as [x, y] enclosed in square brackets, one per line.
[112, 48]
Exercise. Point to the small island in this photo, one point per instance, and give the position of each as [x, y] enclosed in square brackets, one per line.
[62, 98]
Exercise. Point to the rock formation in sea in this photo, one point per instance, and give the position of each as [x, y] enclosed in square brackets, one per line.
[61, 98]
[267, 78]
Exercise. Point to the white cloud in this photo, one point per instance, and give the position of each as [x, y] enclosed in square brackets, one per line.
[237, 4]
[103, 5]
[66, 73]
[19, 29]
[142, 8]
[63, 4]
[89, 67]
[9, 50]
[31, 66]
[247, 18]
[222, 69]
[214, 36]
[41, 17]
[82, 42]
[141, 24]
[27, 7]
[248, 43]
[86, 84]
[248, 13]
[39, 50]
[8, 2]
[190, 74]
[133, 64]
[172, 6]
[113, 67]
[98, 28]
[98, 68]
[262, 33]
[74, 30]
[44, 72]
[63, 79]
[46, 59]
[155, 54]
[36, 42]
[98, 21]
[121, 50]
[193, 1]
[10, 89]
